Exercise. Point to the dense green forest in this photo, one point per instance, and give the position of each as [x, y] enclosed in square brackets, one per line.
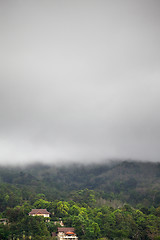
[118, 200]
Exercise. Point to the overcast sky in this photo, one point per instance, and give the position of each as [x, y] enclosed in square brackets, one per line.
[79, 80]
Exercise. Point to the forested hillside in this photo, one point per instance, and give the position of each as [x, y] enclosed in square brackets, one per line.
[131, 182]
[119, 200]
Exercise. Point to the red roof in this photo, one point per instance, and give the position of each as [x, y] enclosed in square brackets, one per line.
[70, 233]
[66, 230]
[39, 211]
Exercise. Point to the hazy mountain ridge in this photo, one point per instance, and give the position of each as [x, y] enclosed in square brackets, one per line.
[133, 182]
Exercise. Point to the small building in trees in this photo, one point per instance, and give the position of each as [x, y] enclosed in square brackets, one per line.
[66, 233]
[4, 221]
[39, 212]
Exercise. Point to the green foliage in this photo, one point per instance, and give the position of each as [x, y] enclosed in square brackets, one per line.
[42, 204]
[84, 196]
[90, 199]
[4, 232]
[62, 208]
[131, 182]
[89, 222]
[15, 214]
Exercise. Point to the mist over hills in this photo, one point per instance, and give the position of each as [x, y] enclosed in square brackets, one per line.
[124, 181]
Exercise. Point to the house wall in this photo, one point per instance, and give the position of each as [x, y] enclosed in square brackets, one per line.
[62, 236]
[44, 215]
[68, 238]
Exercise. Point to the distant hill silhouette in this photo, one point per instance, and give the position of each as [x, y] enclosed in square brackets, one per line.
[127, 181]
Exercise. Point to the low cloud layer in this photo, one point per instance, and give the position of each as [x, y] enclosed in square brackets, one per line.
[80, 80]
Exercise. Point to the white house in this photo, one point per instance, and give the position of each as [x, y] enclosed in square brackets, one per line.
[65, 233]
[39, 212]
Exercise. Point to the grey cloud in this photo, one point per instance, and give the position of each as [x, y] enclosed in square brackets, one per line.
[79, 80]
